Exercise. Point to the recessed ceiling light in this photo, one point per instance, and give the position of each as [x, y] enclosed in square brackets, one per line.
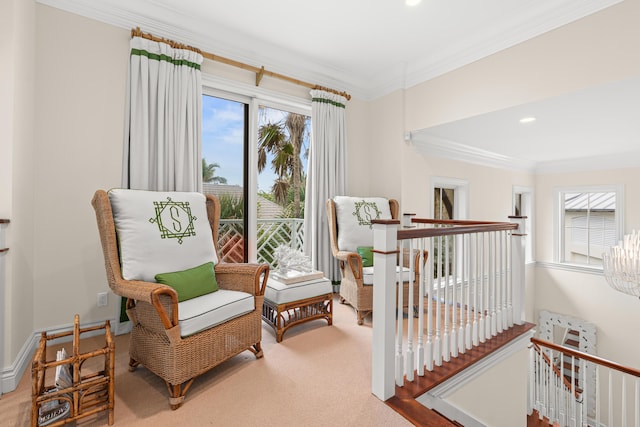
[527, 119]
[412, 2]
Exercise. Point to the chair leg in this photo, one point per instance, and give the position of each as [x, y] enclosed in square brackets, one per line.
[257, 350]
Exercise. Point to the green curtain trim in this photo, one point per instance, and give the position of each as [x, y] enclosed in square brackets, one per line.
[327, 101]
[167, 58]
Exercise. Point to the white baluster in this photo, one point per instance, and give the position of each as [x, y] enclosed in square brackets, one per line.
[461, 332]
[475, 269]
[610, 398]
[438, 342]
[399, 320]
[482, 308]
[423, 277]
[454, 300]
[637, 400]
[410, 304]
[623, 403]
[429, 278]
[446, 350]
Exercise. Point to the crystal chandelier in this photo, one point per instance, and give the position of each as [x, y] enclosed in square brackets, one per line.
[622, 265]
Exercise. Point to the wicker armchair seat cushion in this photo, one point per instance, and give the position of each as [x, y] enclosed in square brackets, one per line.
[367, 275]
[280, 293]
[206, 311]
[354, 215]
[161, 231]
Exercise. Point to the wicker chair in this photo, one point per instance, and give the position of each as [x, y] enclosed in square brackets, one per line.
[353, 290]
[156, 340]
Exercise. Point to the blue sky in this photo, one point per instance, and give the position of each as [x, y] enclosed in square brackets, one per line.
[222, 139]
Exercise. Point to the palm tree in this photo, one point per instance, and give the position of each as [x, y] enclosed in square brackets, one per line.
[284, 141]
[209, 173]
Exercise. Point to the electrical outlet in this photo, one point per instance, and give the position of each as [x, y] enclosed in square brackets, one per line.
[103, 299]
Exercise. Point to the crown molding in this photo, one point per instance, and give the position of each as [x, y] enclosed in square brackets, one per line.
[440, 147]
[585, 164]
[171, 23]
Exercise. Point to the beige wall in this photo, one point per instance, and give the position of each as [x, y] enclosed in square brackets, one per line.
[582, 295]
[505, 386]
[17, 182]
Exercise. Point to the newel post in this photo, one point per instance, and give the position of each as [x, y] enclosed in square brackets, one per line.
[517, 269]
[385, 249]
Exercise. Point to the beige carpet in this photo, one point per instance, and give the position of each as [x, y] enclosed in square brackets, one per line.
[318, 375]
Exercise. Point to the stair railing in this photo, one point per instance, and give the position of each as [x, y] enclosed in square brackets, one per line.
[472, 283]
[614, 401]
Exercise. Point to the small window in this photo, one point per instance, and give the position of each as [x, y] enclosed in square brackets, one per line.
[589, 222]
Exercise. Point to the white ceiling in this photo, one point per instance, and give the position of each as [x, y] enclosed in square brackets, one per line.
[595, 127]
[372, 47]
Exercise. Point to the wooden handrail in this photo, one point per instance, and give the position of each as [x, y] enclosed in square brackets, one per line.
[453, 227]
[587, 357]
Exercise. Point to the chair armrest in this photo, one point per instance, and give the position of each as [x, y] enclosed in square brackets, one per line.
[152, 293]
[246, 277]
[353, 260]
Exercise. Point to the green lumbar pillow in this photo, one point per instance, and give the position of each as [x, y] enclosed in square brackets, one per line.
[191, 283]
[366, 252]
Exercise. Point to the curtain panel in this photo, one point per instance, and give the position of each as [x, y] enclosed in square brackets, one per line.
[163, 118]
[326, 176]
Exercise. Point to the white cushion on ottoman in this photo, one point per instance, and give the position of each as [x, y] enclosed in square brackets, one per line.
[367, 275]
[279, 293]
[209, 310]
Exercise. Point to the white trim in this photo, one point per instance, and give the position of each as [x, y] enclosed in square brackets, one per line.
[441, 147]
[461, 194]
[527, 210]
[267, 97]
[569, 267]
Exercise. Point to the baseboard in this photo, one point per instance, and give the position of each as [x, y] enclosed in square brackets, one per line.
[12, 375]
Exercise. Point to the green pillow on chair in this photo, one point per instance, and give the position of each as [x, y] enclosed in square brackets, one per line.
[191, 283]
[366, 252]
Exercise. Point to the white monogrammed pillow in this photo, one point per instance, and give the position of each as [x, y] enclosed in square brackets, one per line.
[354, 215]
[161, 231]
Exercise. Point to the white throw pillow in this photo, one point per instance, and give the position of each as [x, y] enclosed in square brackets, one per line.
[160, 231]
[354, 215]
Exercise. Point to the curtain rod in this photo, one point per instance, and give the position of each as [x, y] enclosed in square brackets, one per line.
[260, 72]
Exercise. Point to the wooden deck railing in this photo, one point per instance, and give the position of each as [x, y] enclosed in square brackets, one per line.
[472, 283]
[598, 393]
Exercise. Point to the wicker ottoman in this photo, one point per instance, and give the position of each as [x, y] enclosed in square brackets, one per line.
[288, 305]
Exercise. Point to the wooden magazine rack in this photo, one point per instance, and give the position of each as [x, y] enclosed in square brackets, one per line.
[87, 393]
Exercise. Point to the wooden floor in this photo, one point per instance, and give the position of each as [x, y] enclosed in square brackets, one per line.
[404, 400]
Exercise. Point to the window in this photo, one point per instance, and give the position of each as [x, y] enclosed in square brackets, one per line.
[588, 222]
[260, 209]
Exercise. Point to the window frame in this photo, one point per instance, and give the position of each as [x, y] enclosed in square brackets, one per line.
[254, 96]
[460, 210]
[527, 210]
[559, 221]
